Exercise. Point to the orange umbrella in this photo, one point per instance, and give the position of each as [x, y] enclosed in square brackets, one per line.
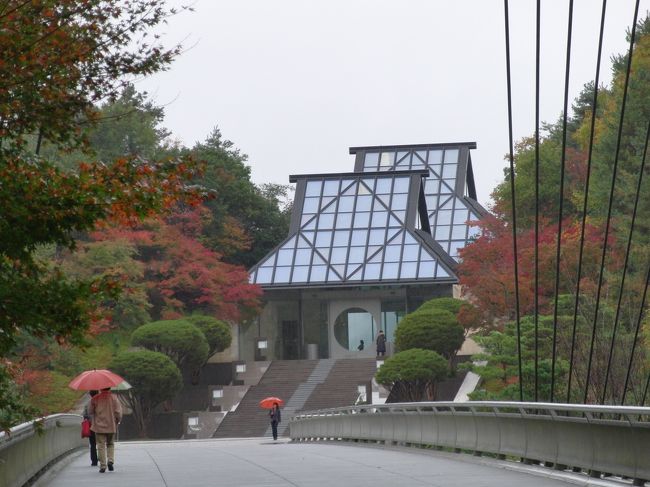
[95, 379]
[269, 402]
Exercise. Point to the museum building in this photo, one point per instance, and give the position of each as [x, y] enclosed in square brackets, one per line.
[364, 248]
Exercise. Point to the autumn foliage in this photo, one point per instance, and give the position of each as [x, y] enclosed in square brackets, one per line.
[181, 274]
[487, 270]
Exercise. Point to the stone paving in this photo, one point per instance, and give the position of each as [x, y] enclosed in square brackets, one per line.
[262, 462]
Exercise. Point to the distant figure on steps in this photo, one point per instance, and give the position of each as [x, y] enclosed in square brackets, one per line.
[381, 344]
[361, 345]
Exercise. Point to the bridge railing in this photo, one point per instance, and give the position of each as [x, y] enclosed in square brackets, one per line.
[27, 450]
[597, 439]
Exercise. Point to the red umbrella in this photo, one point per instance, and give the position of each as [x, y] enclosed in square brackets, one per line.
[95, 380]
[269, 402]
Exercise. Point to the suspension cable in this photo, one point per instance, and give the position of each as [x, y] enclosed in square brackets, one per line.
[561, 210]
[512, 193]
[611, 200]
[584, 208]
[627, 257]
[536, 297]
[645, 289]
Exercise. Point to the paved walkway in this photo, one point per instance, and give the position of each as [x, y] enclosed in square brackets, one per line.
[261, 462]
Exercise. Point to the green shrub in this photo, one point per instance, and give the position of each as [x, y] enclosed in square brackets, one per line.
[155, 378]
[216, 332]
[433, 329]
[180, 340]
[452, 305]
[411, 375]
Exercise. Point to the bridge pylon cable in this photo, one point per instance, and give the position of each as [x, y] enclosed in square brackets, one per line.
[512, 193]
[561, 202]
[611, 200]
[594, 110]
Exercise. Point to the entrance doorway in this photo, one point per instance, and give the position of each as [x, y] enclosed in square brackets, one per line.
[290, 340]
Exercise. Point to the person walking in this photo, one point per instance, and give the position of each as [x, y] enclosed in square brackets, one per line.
[106, 411]
[276, 417]
[92, 441]
[381, 344]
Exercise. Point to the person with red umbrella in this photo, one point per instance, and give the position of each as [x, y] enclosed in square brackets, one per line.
[273, 403]
[106, 412]
[105, 409]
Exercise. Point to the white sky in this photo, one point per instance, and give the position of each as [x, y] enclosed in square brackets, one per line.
[294, 83]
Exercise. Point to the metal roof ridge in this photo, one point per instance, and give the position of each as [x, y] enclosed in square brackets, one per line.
[341, 175]
[470, 145]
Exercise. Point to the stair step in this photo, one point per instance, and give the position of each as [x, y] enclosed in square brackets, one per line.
[303, 384]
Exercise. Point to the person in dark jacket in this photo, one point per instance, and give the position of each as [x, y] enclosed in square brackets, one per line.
[381, 344]
[276, 417]
[92, 441]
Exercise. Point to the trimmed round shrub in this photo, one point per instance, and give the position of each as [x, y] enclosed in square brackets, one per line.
[411, 375]
[452, 305]
[435, 329]
[153, 375]
[180, 340]
[154, 378]
[216, 332]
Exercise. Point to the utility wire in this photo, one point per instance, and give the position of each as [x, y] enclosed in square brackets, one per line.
[512, 193]
[611, 200]
[561, 210]
[584, 208]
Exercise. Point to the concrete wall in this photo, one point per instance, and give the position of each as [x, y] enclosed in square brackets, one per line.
[25, 451]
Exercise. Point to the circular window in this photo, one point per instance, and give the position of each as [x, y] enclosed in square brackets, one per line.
[352, 326]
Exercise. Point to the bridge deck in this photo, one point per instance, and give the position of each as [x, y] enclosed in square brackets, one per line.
[261, 462]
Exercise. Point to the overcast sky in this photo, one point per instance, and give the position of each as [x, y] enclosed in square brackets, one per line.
[294, 83]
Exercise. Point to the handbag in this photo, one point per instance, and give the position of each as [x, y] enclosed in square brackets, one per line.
[85, 428]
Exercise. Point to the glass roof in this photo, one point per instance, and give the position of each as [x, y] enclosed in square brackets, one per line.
[353, 229]
[448, 211]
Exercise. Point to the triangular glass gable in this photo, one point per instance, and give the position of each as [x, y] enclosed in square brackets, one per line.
[355, 229]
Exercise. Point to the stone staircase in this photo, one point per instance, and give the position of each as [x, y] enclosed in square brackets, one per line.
[281, 379]
[302, 394]
[304, 385]
[341, 386]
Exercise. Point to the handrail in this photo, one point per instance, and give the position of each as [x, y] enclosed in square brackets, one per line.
[29, 449]
[496, 405]
[607, 439]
